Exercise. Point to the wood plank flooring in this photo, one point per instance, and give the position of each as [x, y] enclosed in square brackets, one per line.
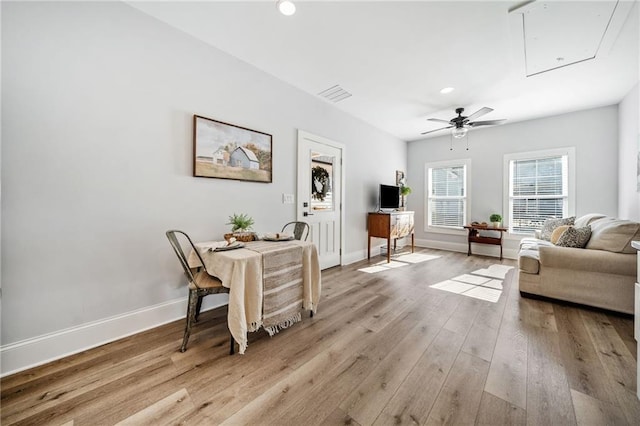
[383, 349]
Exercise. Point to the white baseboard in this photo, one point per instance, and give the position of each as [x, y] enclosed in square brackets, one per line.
[354, 257]
[359, 255]
[19, 356]
[481, 249]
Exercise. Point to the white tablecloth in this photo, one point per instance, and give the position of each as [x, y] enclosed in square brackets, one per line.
[241, 271]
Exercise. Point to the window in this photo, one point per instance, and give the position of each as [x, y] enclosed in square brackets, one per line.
[540, 186]
[447, 194]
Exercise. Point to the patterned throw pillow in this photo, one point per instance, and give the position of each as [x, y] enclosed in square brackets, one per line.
[557, 232]
[575, 237]
[551, 224]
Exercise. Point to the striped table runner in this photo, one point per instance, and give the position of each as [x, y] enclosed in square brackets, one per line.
[282, 281]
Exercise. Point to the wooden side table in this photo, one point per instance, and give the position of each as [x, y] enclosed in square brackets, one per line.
[475, 237]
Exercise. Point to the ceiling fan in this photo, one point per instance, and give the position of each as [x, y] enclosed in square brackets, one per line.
[462, 124]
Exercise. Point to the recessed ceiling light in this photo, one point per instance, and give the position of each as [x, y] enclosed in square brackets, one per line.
[447, 90]
[286, 7]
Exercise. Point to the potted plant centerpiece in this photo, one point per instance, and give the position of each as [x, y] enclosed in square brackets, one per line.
[496, 219]
[241, 225]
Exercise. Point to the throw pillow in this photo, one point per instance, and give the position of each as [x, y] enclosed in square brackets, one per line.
[551, 224]
[614, 235]
[587, 219]
[575, 237]
[557, 232]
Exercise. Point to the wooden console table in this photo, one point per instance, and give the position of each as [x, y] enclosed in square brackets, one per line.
[475, 237]
[391, 225]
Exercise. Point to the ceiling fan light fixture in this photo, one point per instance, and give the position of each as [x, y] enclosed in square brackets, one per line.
[459, 132]
[286, 7]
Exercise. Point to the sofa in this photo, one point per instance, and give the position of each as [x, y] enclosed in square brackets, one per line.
[602, 273]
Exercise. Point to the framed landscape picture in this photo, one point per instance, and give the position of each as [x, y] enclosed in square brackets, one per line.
[226, 151]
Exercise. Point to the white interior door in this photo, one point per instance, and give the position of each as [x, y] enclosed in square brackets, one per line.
[320, 195]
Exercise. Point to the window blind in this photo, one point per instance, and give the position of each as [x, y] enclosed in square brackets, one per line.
[447, 196]
[538, 190]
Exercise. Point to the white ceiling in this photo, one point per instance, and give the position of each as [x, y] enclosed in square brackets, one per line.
[394, 57]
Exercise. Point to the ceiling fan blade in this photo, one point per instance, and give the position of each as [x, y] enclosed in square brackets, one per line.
[438, 120]
[486, 122]
[431, 131]
[478, 113]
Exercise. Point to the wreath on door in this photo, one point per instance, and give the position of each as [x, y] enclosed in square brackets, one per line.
[319, 183]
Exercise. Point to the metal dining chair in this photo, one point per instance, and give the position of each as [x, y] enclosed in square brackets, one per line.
[300, 230]
[200, 283]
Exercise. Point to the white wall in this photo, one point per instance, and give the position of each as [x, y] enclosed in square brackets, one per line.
[97, 112]
[593, 132]
[629, 157]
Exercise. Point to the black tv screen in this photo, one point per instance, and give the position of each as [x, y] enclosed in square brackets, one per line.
[389, 196]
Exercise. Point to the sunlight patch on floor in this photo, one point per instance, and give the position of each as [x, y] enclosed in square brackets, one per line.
[398, 261]
[481, 284]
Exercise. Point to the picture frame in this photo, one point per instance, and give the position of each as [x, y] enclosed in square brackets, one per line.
[226, 151]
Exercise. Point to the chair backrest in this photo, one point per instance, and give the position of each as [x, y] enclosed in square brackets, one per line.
[172, 235]
[300, 230]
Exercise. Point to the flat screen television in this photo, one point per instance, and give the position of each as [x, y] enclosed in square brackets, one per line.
[389, 196]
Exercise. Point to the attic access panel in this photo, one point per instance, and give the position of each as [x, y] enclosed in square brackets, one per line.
[557, 34]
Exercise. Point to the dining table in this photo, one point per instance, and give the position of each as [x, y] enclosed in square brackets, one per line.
[270, 282]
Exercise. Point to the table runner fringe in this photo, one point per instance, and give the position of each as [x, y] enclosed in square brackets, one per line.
[254, 326]
[284, 324]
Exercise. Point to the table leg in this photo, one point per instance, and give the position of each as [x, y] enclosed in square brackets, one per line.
[389, 250]
[412, 242]
[469, 243]
[369, 247]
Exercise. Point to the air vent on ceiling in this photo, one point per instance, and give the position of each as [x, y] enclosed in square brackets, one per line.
[335, 93]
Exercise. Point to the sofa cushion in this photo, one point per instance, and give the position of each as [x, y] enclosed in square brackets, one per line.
[555, 258]
[551, 224]
[528, 261]
[575, 237]
[587, 219]
[557, 232]
[533, 243]
[614, 235]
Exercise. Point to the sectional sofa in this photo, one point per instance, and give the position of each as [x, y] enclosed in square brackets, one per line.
[602, 274]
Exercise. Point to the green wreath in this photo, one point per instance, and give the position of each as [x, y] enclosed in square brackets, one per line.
[319, 183]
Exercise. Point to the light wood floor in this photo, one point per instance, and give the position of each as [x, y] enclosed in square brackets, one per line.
[383, 349]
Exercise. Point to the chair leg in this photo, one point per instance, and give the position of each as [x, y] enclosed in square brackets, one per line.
[191, 316]
[232, 349]
[198, 307]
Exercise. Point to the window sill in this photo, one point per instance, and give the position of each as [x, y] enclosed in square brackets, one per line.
[445, 230]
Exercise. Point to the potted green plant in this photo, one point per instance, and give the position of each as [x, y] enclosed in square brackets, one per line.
[496, 219]
[241, 224]
[404, 191]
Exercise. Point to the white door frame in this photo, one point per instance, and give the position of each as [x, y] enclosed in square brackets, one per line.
[299, 209]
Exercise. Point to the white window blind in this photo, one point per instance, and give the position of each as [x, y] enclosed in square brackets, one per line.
[447, 195]
[538, 190]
